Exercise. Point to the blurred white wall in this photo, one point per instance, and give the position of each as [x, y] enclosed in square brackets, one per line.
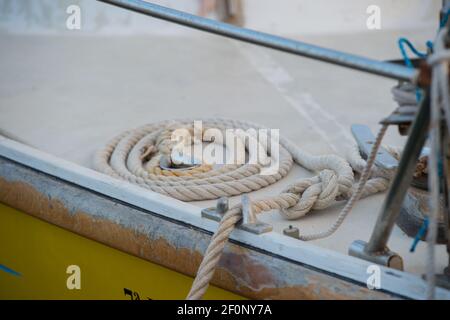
[337, 16]
[285, 17]
[49, 17]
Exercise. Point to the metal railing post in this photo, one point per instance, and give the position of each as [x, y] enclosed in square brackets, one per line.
[385, 69]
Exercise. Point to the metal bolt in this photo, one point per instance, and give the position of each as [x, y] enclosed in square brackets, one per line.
[222, 205]
[248, 216]
[165, 162]
[292, 232]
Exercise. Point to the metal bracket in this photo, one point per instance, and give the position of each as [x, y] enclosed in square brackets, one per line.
[292, 232]
[365, 140]
[177, 163]
[249, 222]
[216, 213]
[385, 257]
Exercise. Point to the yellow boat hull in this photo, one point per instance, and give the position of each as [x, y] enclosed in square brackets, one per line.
[35, 257]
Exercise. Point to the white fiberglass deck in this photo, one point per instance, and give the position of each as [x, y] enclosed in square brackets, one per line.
[69, 95]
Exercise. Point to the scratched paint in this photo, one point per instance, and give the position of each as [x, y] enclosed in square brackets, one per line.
[9, 270]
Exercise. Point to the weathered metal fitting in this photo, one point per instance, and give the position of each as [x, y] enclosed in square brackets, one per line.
[249, 222]
[365, 140]
[176, 164]
[385, 258]
[222, 205]
[292, 232]
[216, 213]
[165, 163]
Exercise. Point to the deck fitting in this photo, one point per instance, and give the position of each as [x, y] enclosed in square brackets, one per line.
[292, 232]
[248, 223]
[385, 258]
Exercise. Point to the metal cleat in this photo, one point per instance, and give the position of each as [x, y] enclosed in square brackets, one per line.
[292, 232]
[218, 212]
[365, 140]
[249, 221]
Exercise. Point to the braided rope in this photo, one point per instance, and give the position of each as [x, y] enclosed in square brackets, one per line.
[358, 192]
[232, 217]
[213, 253]
[137, 156]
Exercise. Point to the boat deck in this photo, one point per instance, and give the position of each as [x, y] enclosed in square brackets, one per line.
[68, 95]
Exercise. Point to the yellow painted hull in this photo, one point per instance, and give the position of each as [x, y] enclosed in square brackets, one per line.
[35, 255]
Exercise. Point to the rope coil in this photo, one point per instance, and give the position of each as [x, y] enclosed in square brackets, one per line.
[136, 156]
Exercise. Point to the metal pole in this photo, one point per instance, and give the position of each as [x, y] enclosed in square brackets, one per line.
[384, 69]
[402, 180]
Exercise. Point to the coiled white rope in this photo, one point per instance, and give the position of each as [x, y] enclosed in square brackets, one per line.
[136, 156]
[128, 157]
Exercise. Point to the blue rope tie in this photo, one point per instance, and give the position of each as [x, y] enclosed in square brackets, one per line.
[429, 45]
[402, 42]
[423, 229]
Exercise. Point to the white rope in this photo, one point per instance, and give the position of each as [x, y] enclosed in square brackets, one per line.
[136, 156]
[359, 191]
[127, 157]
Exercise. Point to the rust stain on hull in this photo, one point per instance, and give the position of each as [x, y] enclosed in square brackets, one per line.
[238, 271]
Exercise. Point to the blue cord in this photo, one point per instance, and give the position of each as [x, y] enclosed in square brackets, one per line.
[402, 42]
[429, 45]
[423, 229]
